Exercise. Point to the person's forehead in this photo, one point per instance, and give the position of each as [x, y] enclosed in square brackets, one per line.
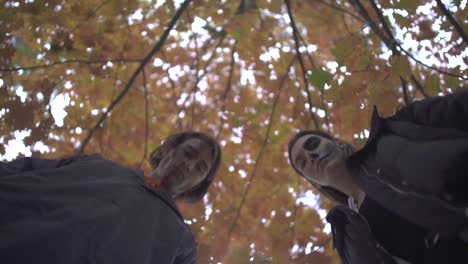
[199, 143]
[194, 140]
[300, 142]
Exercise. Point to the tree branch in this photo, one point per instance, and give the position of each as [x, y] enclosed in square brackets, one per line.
[116, 83]
[226, 91]
[91, 14]
[404, 87]
[200, 77]
[418, 86]
[385, 26]
[340, 9]
[147, 58]
[322, 91]
[311, 60]
[301, 62]
[430, 67]
[79, 61]
[197, 79]
[362, 10]
[260, 153]
[294, 214]
[174, 94]
[391, 42]
[321, 245]
[146, 117]
[452, 20]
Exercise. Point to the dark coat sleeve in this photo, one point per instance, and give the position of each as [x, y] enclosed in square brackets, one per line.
[91, 211]
[353, 238]
[187, 251]
[442, 111]
[30, 164]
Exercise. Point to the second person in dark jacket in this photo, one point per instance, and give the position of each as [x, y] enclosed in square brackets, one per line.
[87, 209]
[408, 184]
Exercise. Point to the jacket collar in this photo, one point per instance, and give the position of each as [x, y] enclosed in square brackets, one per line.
[377, 125]
[164, 196]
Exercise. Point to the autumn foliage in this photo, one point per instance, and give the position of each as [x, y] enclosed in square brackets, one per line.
[250, 73]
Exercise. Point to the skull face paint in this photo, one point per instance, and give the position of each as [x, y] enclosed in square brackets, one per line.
[318, 159]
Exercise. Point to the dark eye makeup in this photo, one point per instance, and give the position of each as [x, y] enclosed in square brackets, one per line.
[201, 167]
[190, 151]
[300, 163]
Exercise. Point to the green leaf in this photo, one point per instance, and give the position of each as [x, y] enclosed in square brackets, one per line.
[408, 5]
[432, 85]
[239, 254]
[364, 60]
[276, 6]
[237, 34]
[452, 82]
[260, 258]
[341, 50]
[319, 78]
[236, 122]
[401, 20]
[23, 49]
[400, 65]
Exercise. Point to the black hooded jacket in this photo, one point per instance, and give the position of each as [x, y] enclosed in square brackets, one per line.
[86, 209]
[414, 171]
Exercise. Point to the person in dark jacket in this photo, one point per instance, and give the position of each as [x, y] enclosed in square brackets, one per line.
[86, 209]
[406, 189]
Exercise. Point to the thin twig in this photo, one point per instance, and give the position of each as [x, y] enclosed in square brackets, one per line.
[362, 10]
[392, 43]
[91, 14]
[145, 150]
[197, 79]
[452, 20]
[324, 106]
[336, 7]
[301, 62]
[430, 67]
[311, 60]
[174, 94]
[404, 87]
[147, 58]
[321, 245]
[103, 148]
[322, 90]
[385, 26]
[226, 91]
[294, 214]
[418, 86]
[205, 68]
[68, 62]
[260, 153]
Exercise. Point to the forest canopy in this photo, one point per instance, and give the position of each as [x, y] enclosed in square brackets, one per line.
[117, 76]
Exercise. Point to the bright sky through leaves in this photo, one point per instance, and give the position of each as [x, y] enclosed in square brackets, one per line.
[248, 75]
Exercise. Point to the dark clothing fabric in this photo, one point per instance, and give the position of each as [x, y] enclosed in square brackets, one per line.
[414, 171]
[354, 240]
[86, 209]
[379, 235]
[394, 233]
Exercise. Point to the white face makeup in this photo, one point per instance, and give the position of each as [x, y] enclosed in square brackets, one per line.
[185, 166]
[318, 159]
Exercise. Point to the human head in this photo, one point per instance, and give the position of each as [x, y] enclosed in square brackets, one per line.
[323, 158]
[182, 153]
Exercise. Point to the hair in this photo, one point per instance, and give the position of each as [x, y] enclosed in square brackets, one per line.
[329, 192]
[196, 193]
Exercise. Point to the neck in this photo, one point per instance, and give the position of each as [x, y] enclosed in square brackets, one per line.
[155, 183]
[348, 186]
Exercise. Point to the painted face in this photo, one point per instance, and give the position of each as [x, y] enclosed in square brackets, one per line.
[319, 159]
[185, 166]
